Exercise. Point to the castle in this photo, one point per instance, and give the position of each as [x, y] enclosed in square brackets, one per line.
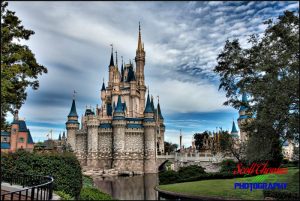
[127, 132]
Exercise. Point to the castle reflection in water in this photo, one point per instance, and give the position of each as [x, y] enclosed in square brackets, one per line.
[129, 188]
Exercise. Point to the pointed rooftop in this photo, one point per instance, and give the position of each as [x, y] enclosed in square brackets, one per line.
[112, 57]
[73, 112]
[59, 137]
[103, 87]
[119, 107]
[139, 47]
[233, 130]
[159, 112]
[148, 108]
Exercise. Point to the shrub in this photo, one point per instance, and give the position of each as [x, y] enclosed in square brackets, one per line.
[88, 193]
[281, 195]
[63, 195]
[190, 171]
[228, 166]
[168, 177]
[63, 167]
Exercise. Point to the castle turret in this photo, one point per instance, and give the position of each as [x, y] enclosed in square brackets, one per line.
[72, 125]
[243, 117]
[161, 130]
[111, 69]
[140, 64]
[103, 91]
[92, 136]
[119, 125]
[149, 136]
[234, 131]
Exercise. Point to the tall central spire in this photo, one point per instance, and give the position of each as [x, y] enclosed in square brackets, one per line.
[140, 47]
[112, 56]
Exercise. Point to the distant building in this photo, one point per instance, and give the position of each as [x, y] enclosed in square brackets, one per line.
[18, 137]
[51, 145]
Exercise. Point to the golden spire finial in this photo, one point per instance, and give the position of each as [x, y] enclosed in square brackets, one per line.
[140, 39]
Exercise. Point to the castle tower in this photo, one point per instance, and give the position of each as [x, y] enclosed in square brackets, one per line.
[161, 130]
[149, 137]
[119, 125]
[72, 126]
[140, 64]
[243, 117]
[103, 98]
[92, 138]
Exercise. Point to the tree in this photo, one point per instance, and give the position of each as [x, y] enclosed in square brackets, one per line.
[268, 71]
[19, 68]
[170, 147]
[199, 139]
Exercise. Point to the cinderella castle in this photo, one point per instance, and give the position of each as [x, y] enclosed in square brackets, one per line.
[127, 132]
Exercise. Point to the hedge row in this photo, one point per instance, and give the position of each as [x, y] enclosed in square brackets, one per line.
[63, 167]
[170, 177]
[90, 193]
[281, 195]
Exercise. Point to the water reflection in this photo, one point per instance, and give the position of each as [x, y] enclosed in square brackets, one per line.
[129, 188]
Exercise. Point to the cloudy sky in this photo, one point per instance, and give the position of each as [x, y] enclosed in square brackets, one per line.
[182, 41]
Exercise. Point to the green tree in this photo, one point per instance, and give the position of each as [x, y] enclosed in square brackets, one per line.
[269, 72]
[170, 147]
[19, 68]
[199, 139]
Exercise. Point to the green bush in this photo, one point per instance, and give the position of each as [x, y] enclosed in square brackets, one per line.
[168, 177]
[63, 167]
[88, 193]
[281, 195]
[228, 166]
[63, 195]
[190, 171]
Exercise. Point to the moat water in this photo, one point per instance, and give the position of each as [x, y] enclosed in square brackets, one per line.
[140, 187]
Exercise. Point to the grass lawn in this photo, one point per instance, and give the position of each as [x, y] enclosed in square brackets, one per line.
[225, 187]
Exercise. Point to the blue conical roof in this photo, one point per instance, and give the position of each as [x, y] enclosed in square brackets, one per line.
[73, 112]
[159, 112]
[119, 107]
[148, 108]
[103, 87]
[233, 130]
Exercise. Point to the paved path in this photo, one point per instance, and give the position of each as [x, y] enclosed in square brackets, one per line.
[15, 196]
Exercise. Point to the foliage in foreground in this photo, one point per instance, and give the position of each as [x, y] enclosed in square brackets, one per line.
[89, 193]
[19, 68]
[63, 195]
[64, 167]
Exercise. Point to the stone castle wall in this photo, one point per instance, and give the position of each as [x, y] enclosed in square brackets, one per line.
[124, 150]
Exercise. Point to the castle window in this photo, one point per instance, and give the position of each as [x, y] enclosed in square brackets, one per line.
[5, 139]
[21, 139]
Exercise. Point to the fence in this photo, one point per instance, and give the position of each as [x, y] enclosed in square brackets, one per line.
[36, 187]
